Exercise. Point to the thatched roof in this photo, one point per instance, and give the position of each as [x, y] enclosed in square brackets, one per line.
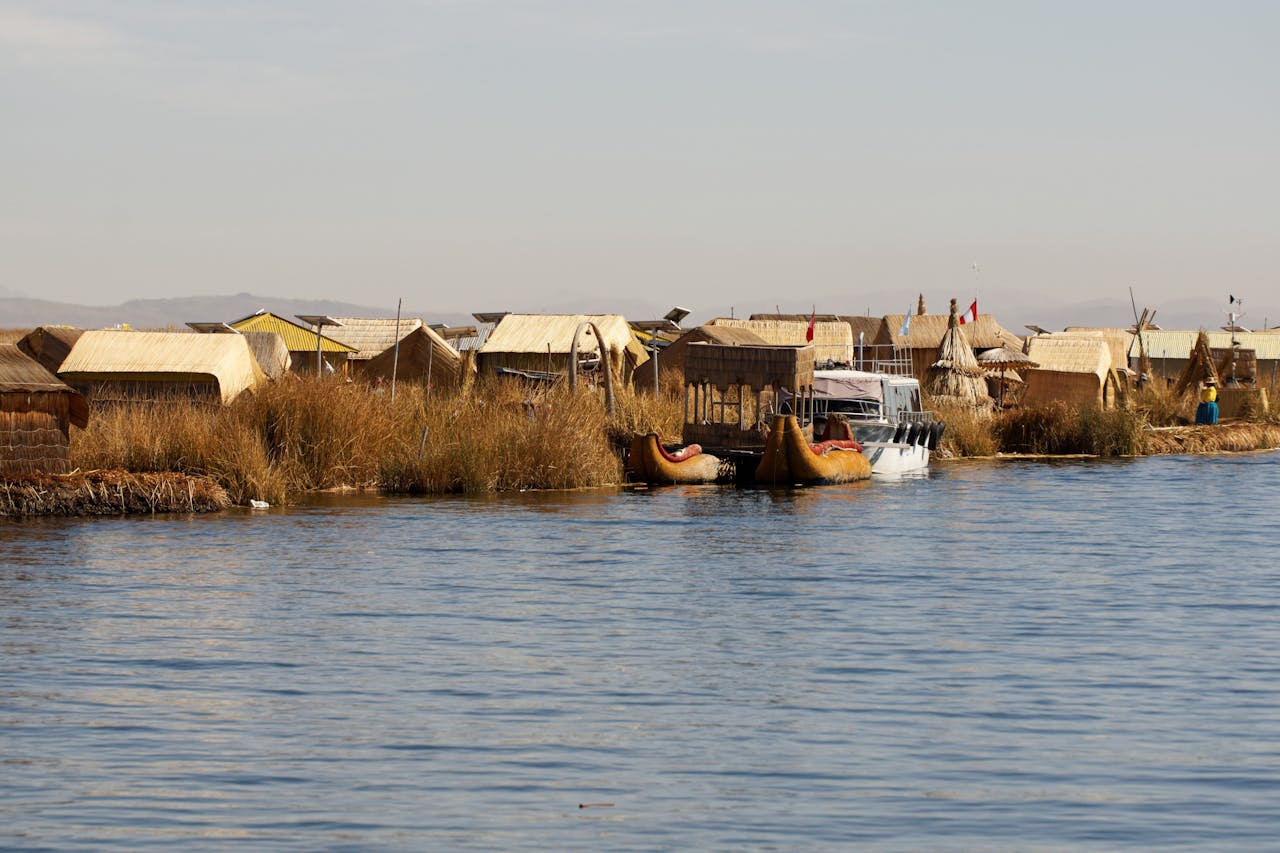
[927, 330]
[111, 355]
[871, 328]
[421, 349]
[369, 336]
[49, 345]
[21, 375]
[532, 333]
[297, 338]
[832, 340]
[1067, 353]
[1118, 341]
[956, 374]
[270, 352]
[796, 318]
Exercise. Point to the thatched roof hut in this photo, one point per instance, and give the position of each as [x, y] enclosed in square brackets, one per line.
[1072, 369]
[270, 352]
[541, 342]
[832, 339]
[955, 376]
[36, 413]
[1119, 342]
[49, 345]
[926, 331]
[370, 336]
[423, 351]
[128, 366]
[673, 357]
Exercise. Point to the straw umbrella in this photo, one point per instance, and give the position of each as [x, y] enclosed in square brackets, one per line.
[1003, 358]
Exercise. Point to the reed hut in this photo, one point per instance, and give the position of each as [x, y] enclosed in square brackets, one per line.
[537, 343]
[1118, 341]
[300, 341]
[1072, 369]
[271, 353]
[955, 376]
[126, 366]
[424, 357]
[37, 410]
[922, 343]
[731, 392]
[370, 336]
[673, 356]
[832, 339]
[50, 345]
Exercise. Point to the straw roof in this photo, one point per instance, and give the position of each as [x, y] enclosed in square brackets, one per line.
[369, 336]
[832, 339]
[927, 330]
[297, 338]
[1071, 354]
[532, 333]
[49, 345]
[956, 373]
[1118, 341]
[22, 375]
[270, 352]
[421, 350]
[111, 355]
[1200, 366]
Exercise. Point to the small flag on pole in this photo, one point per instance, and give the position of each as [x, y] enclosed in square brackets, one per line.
[906, 324]
[808, 333]
[970, 316]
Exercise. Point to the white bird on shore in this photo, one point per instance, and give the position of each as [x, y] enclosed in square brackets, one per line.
[258, 504]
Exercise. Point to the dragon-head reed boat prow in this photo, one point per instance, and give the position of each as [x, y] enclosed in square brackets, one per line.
[650, 462]
[790, 459]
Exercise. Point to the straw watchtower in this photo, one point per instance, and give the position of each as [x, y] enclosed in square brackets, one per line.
[730, 391]
[36, 413]
[955, 375]
[923, 340]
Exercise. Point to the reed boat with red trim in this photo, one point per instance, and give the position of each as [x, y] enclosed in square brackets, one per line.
[789, 458]
[650, 462]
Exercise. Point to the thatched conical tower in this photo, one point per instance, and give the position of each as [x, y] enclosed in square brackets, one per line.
[956, 376]
[1200, 367]
[920, 312]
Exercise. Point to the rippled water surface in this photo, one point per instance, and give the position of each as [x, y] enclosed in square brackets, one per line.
[1000, 656]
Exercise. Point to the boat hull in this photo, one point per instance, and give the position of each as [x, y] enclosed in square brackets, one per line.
[889, 457]
[649, 463]
[789, 459]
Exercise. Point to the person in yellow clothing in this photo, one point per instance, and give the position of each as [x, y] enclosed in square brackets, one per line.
[1207, 411]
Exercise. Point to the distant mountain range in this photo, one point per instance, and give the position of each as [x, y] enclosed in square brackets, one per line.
[1013, 308]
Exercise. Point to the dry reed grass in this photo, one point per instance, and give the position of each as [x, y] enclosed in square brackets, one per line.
[968, 431]
[1221, 438]
[1060, 429]
[108, 493]
[293, 437]
[1157, 403]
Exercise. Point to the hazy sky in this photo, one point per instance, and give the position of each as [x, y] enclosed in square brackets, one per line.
[472, 155]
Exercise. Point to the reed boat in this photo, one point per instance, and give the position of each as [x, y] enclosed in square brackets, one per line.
[650, 462]
[789, 458]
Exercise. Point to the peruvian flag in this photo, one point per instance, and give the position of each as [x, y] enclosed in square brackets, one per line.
[970, 316]
[808, 333]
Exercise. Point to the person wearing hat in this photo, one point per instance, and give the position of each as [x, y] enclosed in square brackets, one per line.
[1207, 411]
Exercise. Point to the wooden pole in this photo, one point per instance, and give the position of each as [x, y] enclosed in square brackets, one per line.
[395, 356]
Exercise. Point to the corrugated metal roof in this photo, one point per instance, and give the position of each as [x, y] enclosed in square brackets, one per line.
[370, 336]
[119, 355]
[1174, 344]
[296, 338]
[531, 333]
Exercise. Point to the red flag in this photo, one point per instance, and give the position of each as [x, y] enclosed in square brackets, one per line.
[808, 333]
[970, 316]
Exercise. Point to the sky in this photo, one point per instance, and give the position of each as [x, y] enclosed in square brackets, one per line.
[528, 155]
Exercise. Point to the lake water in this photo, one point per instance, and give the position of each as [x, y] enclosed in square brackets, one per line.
[1007, 656]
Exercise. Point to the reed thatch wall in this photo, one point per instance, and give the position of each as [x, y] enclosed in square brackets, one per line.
[36, 413]
[1072, 369]
[674, 355]
[832, 339]
[161, 365]
[421, 350]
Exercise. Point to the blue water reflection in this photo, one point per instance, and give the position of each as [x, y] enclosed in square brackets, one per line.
[998, 656]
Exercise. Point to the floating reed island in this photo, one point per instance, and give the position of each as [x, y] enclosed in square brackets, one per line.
[85, 493]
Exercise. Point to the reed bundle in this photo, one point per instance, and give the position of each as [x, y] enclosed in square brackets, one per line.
[109, 493]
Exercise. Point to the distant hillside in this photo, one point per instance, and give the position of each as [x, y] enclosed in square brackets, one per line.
[21, 312]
